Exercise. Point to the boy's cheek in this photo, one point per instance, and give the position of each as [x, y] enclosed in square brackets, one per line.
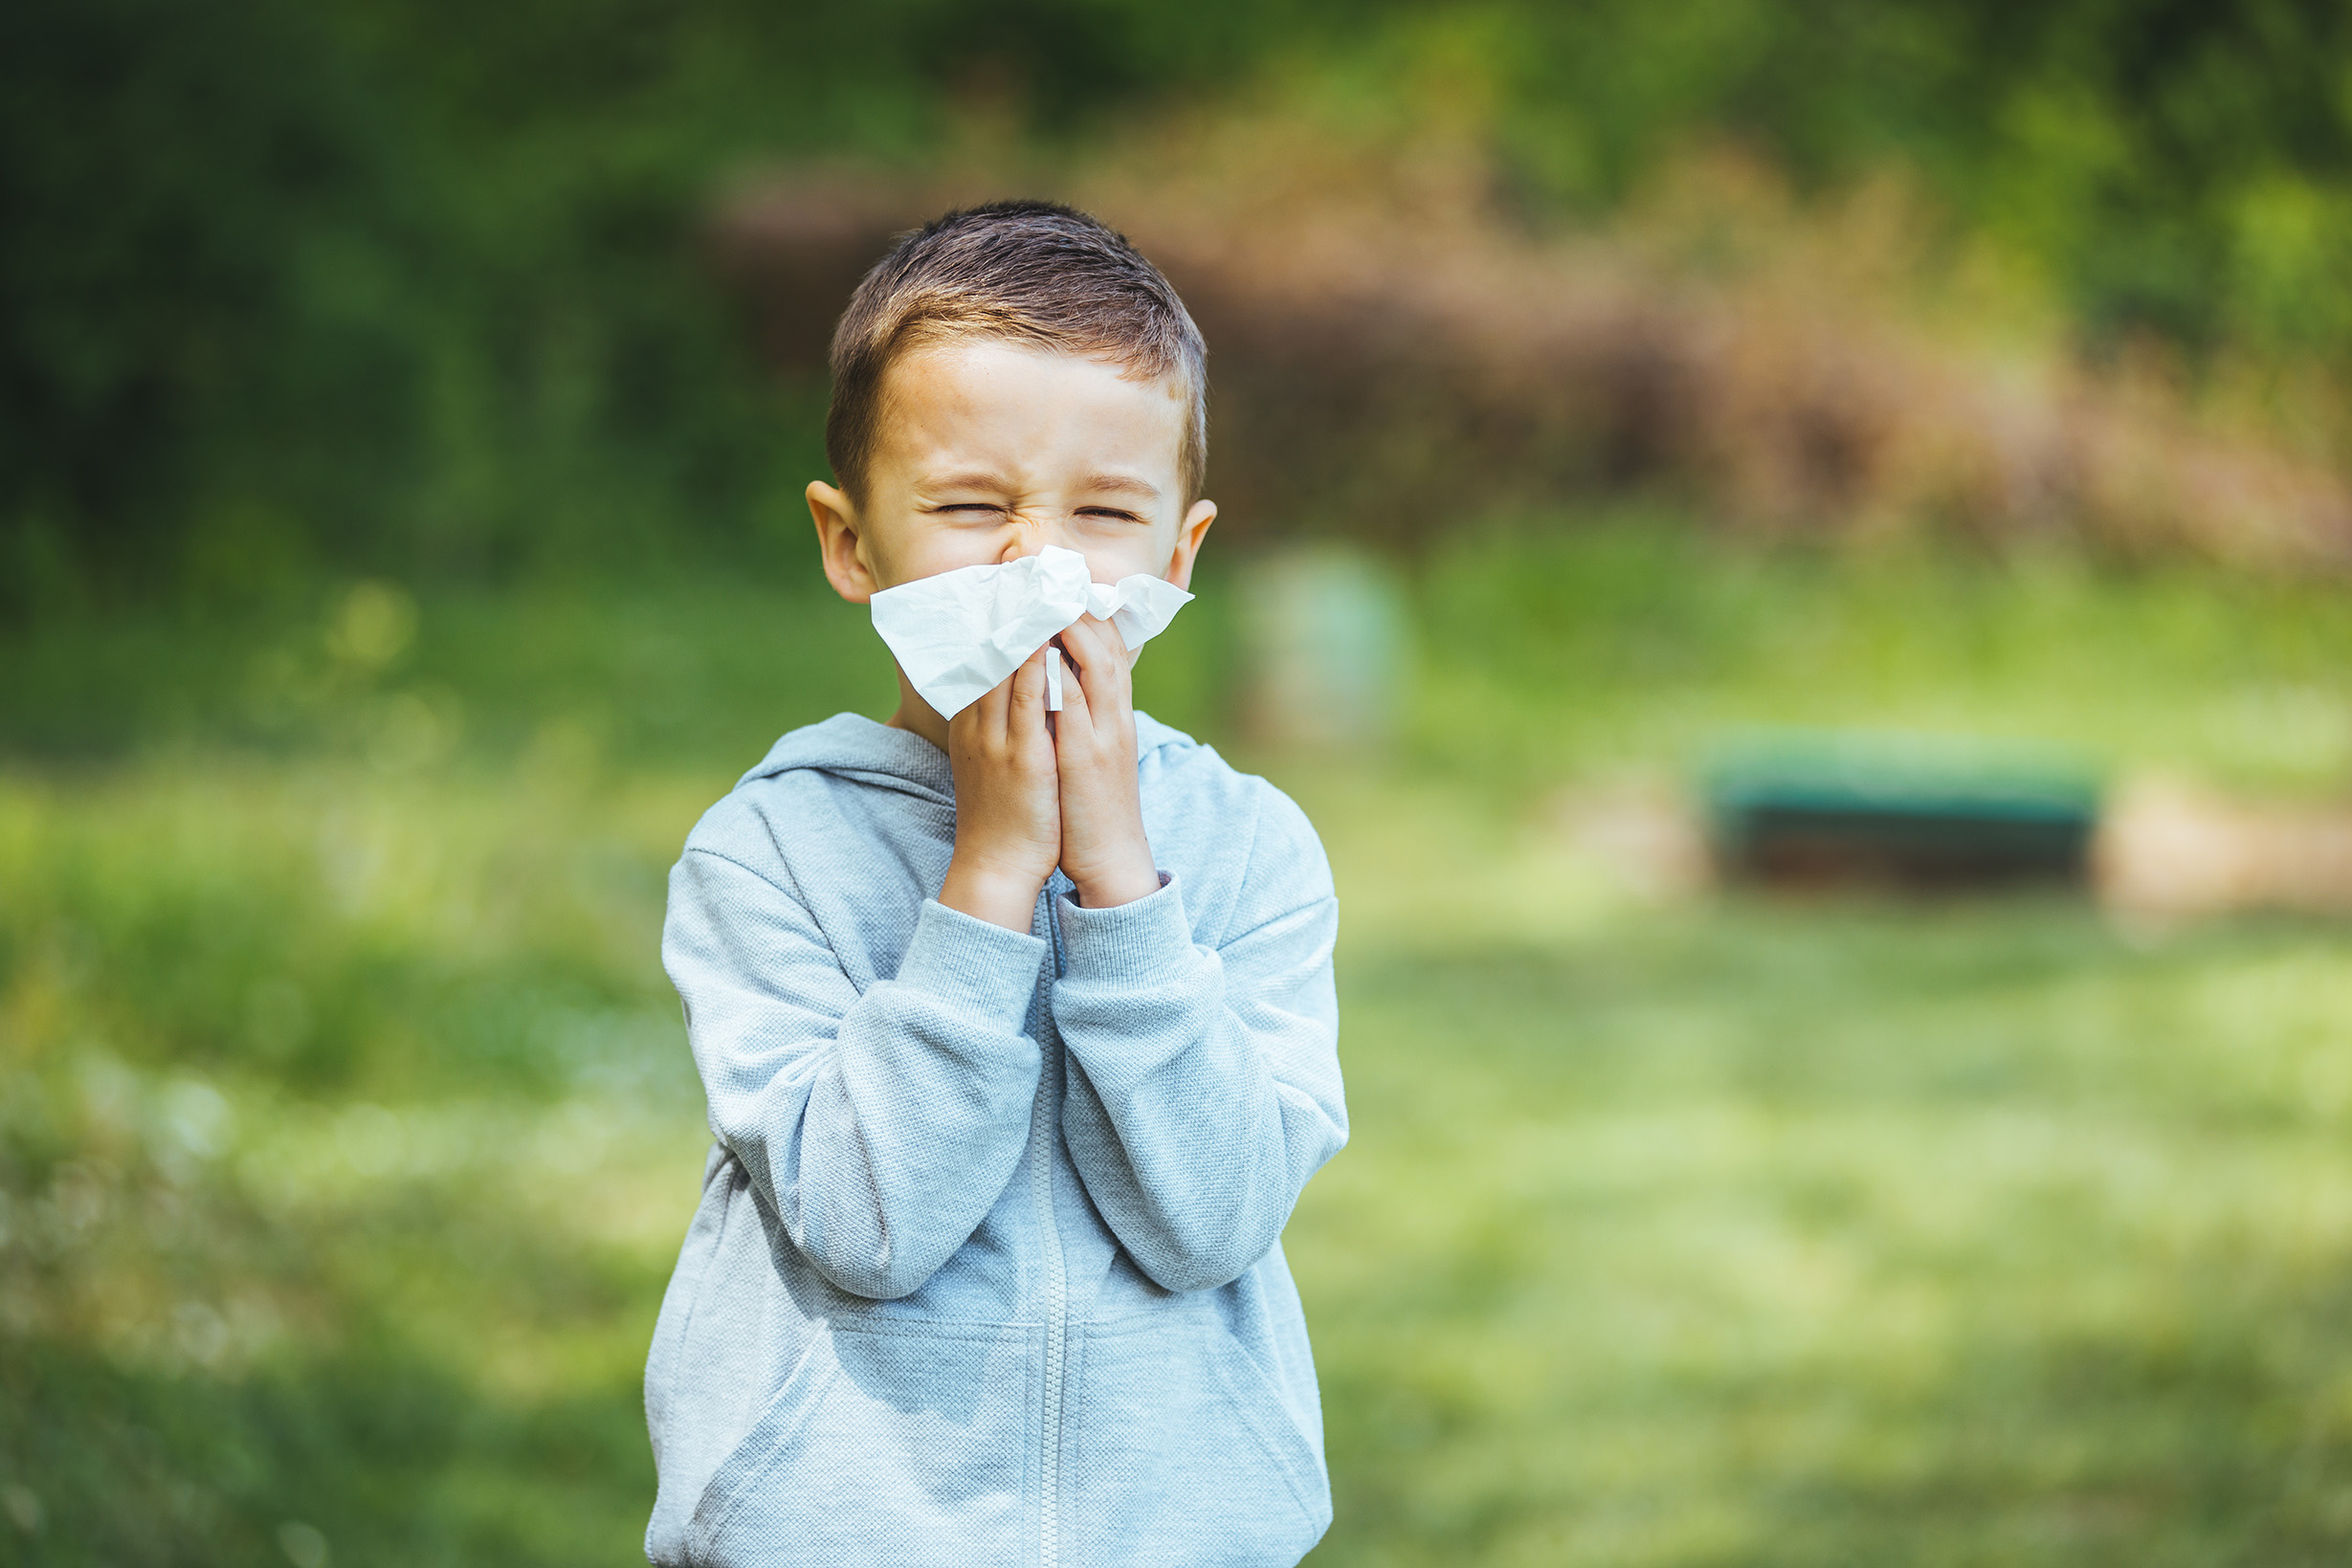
[1109, 563]
[908, 560]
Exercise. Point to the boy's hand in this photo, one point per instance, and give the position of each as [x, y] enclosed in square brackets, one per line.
[1009, 830]
[1103, 848]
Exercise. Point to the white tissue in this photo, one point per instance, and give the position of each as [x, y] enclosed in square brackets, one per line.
[960, 633]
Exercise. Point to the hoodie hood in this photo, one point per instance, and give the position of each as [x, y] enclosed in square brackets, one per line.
[854, 747]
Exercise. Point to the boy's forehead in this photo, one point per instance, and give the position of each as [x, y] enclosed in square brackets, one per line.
[952, 405]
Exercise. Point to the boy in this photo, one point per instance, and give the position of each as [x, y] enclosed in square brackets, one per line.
[1019, 1038]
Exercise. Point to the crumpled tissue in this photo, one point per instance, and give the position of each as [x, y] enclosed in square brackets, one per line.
[960, 633]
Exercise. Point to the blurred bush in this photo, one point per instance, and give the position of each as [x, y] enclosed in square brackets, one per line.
[1396, 353]
[415, 287]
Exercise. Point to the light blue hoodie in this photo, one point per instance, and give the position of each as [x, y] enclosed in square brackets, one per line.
[986, 1269]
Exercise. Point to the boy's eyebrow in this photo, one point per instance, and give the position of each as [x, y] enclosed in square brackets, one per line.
[971, 480]
[1121, 484]
[1093, 484]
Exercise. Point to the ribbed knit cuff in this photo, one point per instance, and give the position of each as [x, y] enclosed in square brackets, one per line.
[973, 963]
[1135, 941]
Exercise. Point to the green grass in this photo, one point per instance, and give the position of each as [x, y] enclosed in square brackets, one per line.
[348, 1132]
[1872, 1236]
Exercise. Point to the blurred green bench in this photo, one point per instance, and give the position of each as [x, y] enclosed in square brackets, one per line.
[1827, 807]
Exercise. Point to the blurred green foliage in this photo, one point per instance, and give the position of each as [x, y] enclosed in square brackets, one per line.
[416, 287]
[1644, 640]
[347, 1129]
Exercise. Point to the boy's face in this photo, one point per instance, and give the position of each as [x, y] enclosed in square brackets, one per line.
[989, 450]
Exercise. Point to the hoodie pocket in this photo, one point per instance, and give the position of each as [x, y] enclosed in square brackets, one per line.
[885, 1445]
[1184, 1453]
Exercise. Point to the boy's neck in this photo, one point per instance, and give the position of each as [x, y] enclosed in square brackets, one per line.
[917, 716]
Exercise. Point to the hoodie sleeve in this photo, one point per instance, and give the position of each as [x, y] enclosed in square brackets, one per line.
[881, 1127]
[1207, 1082]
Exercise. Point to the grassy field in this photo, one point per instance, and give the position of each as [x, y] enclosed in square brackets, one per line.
[348, 1132]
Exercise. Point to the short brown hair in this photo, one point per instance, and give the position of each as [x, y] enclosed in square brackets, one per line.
[1029, 272]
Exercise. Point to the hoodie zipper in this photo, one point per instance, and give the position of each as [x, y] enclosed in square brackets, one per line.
[1056, 1275]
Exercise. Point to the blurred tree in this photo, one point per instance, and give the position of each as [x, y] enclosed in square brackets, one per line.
[2174, 164]
[413, 285]
[180, 183]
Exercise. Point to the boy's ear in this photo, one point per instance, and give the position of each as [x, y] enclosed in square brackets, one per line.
[840, 537]
[1189, 543]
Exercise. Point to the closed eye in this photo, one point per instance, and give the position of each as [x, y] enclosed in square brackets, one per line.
[1115, 513]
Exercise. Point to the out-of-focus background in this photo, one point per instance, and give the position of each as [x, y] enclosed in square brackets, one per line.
[1796, 551]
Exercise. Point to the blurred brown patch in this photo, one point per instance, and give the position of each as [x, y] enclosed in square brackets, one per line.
[2169, 850]
[793, 246]
[1649, 835]
[1393, 354]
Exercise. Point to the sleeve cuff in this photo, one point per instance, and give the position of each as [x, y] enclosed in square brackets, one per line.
[1137, 939]
[973, 963]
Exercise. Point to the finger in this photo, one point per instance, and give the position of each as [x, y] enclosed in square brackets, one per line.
[1083, 640]
[987, 713]
[1026, 702]
[1101, 656]
[1092, 646]
[1074, 685]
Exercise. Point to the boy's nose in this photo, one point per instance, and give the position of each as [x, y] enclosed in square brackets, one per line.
[1028, 538]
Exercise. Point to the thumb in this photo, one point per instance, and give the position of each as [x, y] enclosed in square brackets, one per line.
[1073, 683]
